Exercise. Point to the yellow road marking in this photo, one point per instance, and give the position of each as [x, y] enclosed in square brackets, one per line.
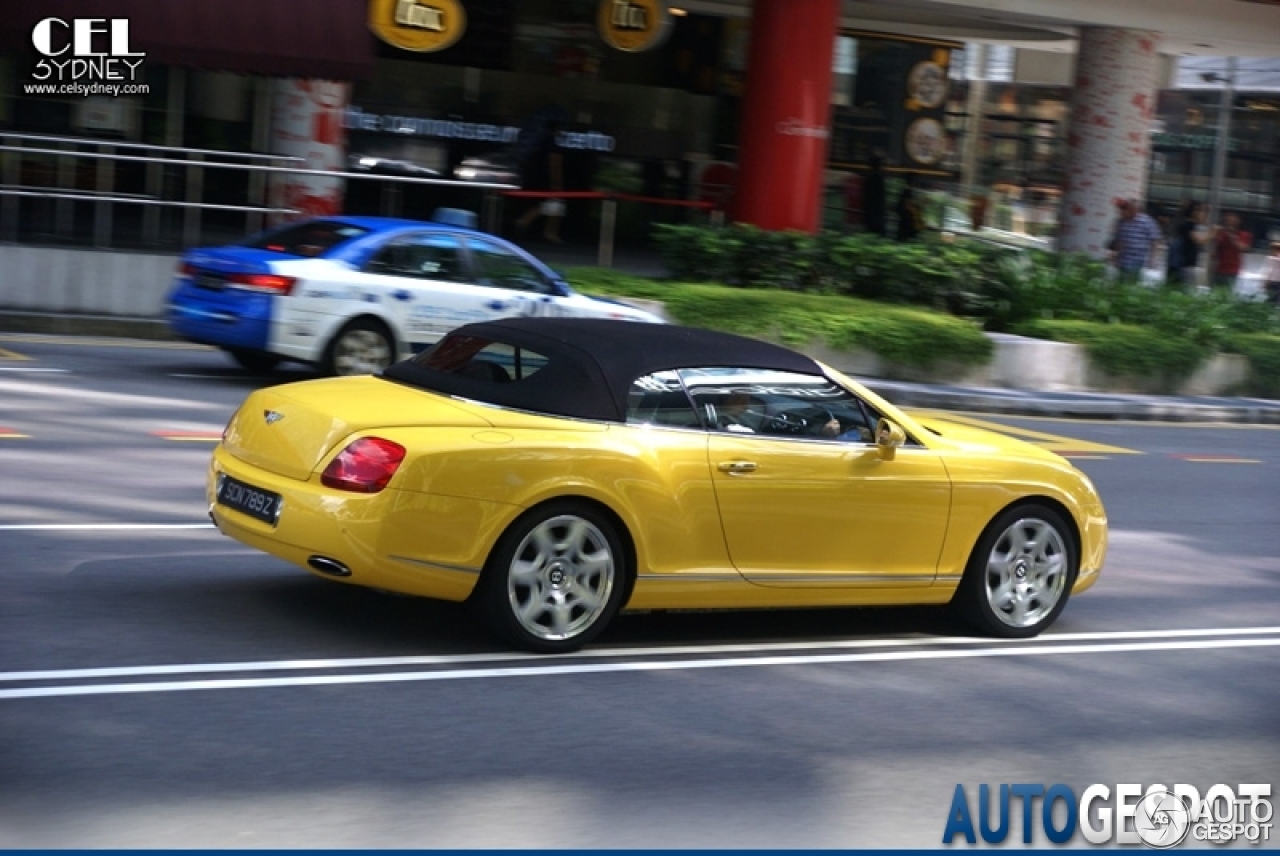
[6, 354]
[1240, 426]
[1052, 442]
[104, 342]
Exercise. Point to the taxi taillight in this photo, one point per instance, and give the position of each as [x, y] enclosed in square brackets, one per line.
[365, 466]
[268, 283]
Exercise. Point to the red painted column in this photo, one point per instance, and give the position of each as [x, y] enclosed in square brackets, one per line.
[786, 114]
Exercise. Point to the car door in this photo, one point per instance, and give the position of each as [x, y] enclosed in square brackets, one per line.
[805, 498]
[423, 285]
[513, 285]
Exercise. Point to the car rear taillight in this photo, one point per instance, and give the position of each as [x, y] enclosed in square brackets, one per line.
[186, 269]
[268, 283]
[365, 466]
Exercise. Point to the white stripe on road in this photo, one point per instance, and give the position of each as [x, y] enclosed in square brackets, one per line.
[32, 369]
[600, 653]
[555, 669]
[98, 527]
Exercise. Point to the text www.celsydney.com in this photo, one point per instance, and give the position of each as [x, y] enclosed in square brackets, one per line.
[86, 88]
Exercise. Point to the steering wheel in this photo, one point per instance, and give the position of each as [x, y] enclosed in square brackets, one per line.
[799, 422]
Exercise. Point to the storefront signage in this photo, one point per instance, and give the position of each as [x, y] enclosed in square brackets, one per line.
[899, 104]
[357, 119]
[418, 25]
[633, 25]
[1195, 142]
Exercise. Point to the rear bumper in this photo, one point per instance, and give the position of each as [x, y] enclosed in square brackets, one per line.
[398, 541]
[226, 319]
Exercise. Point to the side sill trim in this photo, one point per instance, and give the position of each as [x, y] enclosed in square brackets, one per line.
[437, 565]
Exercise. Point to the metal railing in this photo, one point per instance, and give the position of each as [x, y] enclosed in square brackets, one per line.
[50, 204]
[113, 194]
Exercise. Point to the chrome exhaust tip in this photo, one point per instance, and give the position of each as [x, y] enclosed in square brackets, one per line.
[329, 567]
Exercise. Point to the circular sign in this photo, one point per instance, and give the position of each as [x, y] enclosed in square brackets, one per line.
[633, 25]
[418, 25]
[927, 85]
[926, 141]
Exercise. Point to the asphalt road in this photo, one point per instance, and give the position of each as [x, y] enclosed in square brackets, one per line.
[161, 685]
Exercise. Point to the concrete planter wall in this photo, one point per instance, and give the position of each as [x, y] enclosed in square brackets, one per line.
[134, 286]
[89, 282]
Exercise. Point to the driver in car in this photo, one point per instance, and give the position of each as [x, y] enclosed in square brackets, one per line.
[739, 413]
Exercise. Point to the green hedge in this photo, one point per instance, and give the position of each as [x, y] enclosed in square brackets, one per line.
[900, 334]
[1000, 287]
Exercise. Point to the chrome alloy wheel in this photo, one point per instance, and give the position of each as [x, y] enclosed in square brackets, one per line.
[561, 577]
[359, 351]
[1026, 572]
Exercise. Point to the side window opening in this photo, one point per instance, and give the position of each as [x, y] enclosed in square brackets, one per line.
[437, 257]
[660, 399]
[480, 359]
[778, 404]
[500, 268]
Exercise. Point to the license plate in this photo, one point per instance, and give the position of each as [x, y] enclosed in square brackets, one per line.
[254, 501]
[210, 281]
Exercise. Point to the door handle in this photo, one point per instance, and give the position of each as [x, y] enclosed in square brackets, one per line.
[737, 468]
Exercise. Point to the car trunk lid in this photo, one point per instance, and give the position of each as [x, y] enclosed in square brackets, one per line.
[290, 430]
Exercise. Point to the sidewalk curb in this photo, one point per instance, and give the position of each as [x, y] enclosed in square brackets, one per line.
[17, 321]
[1139, 411]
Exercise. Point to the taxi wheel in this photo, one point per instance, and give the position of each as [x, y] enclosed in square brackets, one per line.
[254, 361]
[1020, 574]
[555, 579]
[363, 346]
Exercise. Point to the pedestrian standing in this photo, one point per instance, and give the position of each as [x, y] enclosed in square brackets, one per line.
[874, 199]
[910, 212]
[1134, 240]
[1186, 241]
[543, 170]
[1229, 245]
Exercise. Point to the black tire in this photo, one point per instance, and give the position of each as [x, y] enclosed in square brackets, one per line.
[362, 346]
[577, 574]
[1020, 574]
[254, 361]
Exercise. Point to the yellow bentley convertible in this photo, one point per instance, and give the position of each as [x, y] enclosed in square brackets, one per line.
[554, 471]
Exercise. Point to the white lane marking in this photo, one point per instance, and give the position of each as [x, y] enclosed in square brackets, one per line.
[601, 653]
[33, 369]
[98, 527]
[222, 376]
[645, 666]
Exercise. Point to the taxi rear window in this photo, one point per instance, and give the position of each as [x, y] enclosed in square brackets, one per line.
[307, 239]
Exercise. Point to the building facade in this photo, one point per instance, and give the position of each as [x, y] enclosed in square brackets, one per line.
[647, 99]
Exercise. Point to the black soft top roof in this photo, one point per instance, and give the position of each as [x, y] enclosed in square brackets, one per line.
[591, 362]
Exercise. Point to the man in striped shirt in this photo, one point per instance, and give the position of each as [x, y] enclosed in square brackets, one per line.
[1135, 239]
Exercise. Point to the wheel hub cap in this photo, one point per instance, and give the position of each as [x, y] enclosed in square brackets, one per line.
[561, 577]
[1026, 572]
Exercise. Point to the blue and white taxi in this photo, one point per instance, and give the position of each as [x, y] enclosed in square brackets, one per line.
[351, 295]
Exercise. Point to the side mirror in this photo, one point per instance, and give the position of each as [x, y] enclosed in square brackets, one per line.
[889, 436]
